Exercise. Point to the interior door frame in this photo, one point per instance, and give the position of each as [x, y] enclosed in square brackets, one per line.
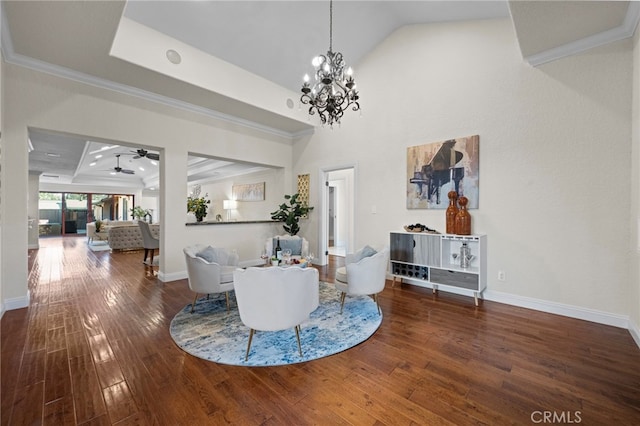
[323, 232]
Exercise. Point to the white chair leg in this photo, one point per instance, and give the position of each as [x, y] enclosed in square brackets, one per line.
[342, 296]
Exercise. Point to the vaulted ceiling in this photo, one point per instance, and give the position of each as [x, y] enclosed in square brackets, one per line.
[267, 43]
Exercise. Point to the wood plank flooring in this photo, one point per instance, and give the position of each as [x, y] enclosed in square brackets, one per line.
[93, 348]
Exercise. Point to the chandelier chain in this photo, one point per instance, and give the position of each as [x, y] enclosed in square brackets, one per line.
[331, 26]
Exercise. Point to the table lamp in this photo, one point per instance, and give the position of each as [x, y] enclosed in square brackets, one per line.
[229, 205]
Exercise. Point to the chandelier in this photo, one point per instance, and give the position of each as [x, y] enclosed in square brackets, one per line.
[334, 89]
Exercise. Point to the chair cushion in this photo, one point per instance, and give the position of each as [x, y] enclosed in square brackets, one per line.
[293, 244]
[214, 255]
[341, 274]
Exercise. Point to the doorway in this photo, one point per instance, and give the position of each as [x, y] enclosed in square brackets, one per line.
[337, 218]
[331, 217]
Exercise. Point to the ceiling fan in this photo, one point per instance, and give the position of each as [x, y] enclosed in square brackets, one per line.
[119, 169]
[139, 153]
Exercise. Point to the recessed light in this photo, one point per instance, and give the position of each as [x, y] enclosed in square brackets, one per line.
[173, 57]
[141, 169]
[152, 188]
[154, 163]
[98, 156]
[93, 164]
[52, 154]
[112, 173]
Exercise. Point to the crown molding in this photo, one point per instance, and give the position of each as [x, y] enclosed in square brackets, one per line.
[69, 74]
[622, 32]
[14, 58]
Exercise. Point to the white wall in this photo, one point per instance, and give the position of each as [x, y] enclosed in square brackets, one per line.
[634, 249]
[47, 102]
[555, 147]
[219, 191]
[2, 177]
[151, 203]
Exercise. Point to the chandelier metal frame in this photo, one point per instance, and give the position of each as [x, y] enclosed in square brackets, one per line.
[334, 89]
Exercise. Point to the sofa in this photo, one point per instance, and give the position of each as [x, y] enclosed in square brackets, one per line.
[129, 237]
[122, 234]
[106, 224]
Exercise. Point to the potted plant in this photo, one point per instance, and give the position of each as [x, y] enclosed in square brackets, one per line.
[199, 207]
[291, 212]
[98, 225]
[138, 212]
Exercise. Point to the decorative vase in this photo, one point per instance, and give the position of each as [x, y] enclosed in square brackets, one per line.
[463, 218]
[452, 212]
[199, 218]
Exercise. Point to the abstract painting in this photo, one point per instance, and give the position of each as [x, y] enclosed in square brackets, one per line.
[248, 192]
[436, 168]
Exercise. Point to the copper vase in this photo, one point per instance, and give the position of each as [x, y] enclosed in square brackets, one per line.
[463, 218]
[452, 212]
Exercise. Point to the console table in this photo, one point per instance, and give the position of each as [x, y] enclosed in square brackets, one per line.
[433, 260]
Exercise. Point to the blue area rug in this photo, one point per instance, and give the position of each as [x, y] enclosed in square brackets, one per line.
[214, 334]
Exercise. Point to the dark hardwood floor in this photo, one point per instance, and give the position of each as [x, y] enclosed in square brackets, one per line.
[93, 348]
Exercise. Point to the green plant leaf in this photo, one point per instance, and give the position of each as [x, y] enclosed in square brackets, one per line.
[290, 213]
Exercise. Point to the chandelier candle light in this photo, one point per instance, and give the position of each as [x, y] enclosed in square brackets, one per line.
[334, 89]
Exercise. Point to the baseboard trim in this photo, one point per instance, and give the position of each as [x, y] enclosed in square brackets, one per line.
[33, 246]
[635, 332]
[600, 317]
[16, 303]
[586, 314]
[174, 276]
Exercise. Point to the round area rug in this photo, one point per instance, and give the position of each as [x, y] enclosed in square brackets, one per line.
[214, 334]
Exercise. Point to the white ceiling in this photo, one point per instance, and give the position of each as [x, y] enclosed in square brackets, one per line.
[271, 39]
[278, 39]
[68, 159]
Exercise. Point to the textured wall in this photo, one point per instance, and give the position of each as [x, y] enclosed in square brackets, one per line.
[555, 145]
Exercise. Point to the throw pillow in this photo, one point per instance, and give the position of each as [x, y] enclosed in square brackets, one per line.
[293, 244]
[214, 255]
[366, 251]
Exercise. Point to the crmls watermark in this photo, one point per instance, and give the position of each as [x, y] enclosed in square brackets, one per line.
[564, 417]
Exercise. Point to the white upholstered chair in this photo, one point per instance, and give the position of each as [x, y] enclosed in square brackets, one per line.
[149, 242]
[275, 298]
[362, 275]
[210, 270]
[299, 245]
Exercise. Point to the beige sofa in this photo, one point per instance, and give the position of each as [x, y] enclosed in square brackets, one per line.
[129, 237]
[122, 234]
[106, 224]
